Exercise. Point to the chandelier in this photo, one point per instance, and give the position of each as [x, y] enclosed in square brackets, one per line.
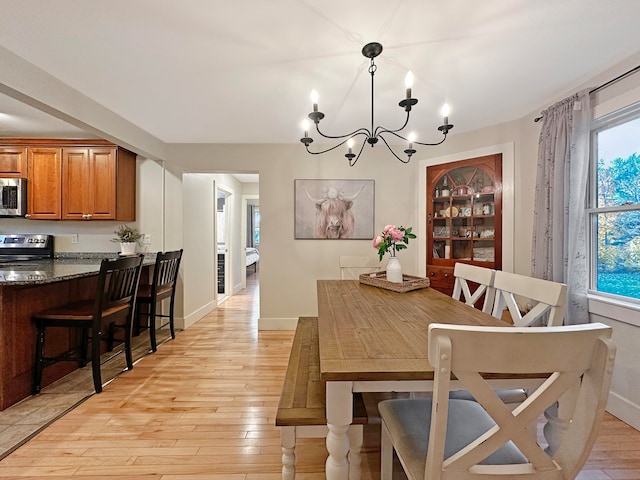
[372, 136]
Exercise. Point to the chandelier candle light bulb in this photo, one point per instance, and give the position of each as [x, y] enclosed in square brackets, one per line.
[445, 112]
[314, 100]
[408, 82]
[411, 137]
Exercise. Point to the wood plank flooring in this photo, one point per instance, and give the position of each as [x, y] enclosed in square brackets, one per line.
[203, 407]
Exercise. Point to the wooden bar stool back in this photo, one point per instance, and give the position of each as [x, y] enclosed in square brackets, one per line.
[114, 301]
[163, 285]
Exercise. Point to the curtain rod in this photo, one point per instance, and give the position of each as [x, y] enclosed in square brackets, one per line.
[604, 85]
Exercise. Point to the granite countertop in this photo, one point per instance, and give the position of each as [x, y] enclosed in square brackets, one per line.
[62, 267]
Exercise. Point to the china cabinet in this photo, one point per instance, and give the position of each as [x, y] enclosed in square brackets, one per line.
[464, 217]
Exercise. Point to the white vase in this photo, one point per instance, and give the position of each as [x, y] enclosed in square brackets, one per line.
[394, 270]
[128, 248]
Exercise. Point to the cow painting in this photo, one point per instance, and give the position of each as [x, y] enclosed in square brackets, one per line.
[334, 216]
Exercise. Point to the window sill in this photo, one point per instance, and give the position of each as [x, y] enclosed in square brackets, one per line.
[627, 312]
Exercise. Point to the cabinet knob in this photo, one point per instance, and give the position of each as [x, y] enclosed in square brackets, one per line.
[433, 274]
[27, 216]
[446, 275]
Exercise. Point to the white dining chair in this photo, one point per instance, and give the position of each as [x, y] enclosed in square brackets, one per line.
[548, 298]
[351, 267]
[445, 439]
[465, 273]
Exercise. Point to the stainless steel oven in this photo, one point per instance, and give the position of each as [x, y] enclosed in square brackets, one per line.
[19, 254]
[13, 197]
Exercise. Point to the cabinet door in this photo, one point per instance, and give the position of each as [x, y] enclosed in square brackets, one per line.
[75, 181]
[13, 162]
[43, 183]
[102, 183]
[89, 184]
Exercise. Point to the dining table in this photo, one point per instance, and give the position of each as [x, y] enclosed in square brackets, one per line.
[372, 339]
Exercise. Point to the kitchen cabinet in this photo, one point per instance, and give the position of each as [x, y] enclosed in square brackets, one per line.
[43, 183]
[13, 162]
[89, 183]
[79, 179]
[464, 217]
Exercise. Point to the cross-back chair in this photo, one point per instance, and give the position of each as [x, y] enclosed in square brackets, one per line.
[163, 285]
[114, 301]
[351, 267]
[446, 439]
[549, 297]
[465, 273]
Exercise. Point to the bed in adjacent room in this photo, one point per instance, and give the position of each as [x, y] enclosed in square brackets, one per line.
[252, 258]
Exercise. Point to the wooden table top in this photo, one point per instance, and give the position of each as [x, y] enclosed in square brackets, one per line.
[369, 333]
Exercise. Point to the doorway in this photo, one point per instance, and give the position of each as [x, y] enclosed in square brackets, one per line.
[222, 244]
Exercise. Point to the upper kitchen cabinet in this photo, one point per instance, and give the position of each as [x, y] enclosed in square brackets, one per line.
[98, 184]
[43, 183]
[464, 217]
[13, 162]
[77, 179]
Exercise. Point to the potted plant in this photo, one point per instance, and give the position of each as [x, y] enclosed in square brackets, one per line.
[392, 240]
[128, 237]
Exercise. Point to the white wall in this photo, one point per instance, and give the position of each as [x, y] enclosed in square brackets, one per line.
[199, 272]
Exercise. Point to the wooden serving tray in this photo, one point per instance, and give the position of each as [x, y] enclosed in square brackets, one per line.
[379, 279]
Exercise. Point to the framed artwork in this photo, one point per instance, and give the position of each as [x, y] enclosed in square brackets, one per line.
[334, 209]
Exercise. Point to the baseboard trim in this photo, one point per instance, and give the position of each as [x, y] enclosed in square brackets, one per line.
[192, 318]
[624, 409]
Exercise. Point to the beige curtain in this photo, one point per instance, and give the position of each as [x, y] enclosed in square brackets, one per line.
[559, 233]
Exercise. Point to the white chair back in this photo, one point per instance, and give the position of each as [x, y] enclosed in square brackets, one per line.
[550, 298]
[488, 441]
[465, 273]
[351, 267]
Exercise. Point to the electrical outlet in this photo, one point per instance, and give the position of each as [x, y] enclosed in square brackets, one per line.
[74, 238]
[146, 239]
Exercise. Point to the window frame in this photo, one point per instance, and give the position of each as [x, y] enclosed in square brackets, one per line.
[606, 122]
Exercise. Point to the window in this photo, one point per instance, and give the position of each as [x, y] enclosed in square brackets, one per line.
[614, 213]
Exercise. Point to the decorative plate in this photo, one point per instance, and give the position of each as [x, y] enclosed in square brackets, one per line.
[451, 212]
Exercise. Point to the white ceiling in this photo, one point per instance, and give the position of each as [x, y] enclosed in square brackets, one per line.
[219, 71]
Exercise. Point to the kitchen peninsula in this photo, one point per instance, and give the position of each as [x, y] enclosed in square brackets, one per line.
[32, 286]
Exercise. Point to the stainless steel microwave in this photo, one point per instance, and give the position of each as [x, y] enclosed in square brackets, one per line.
[13, 197]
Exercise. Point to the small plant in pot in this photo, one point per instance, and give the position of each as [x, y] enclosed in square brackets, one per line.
[128, 237]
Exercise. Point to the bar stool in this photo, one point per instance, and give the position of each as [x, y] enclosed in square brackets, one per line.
[163, 285]
[114, 301]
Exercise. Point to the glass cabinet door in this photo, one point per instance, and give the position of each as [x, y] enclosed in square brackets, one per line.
[462, 217]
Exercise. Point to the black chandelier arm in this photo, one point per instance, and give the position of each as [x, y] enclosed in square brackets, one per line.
[354, 134]
[380, 129]
[391, 149]
[444, 137]
[415, 142]
[360, 131]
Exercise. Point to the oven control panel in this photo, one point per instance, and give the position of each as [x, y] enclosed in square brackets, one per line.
[31, 240]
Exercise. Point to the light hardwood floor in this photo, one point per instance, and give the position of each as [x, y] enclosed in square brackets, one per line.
[203, 407]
